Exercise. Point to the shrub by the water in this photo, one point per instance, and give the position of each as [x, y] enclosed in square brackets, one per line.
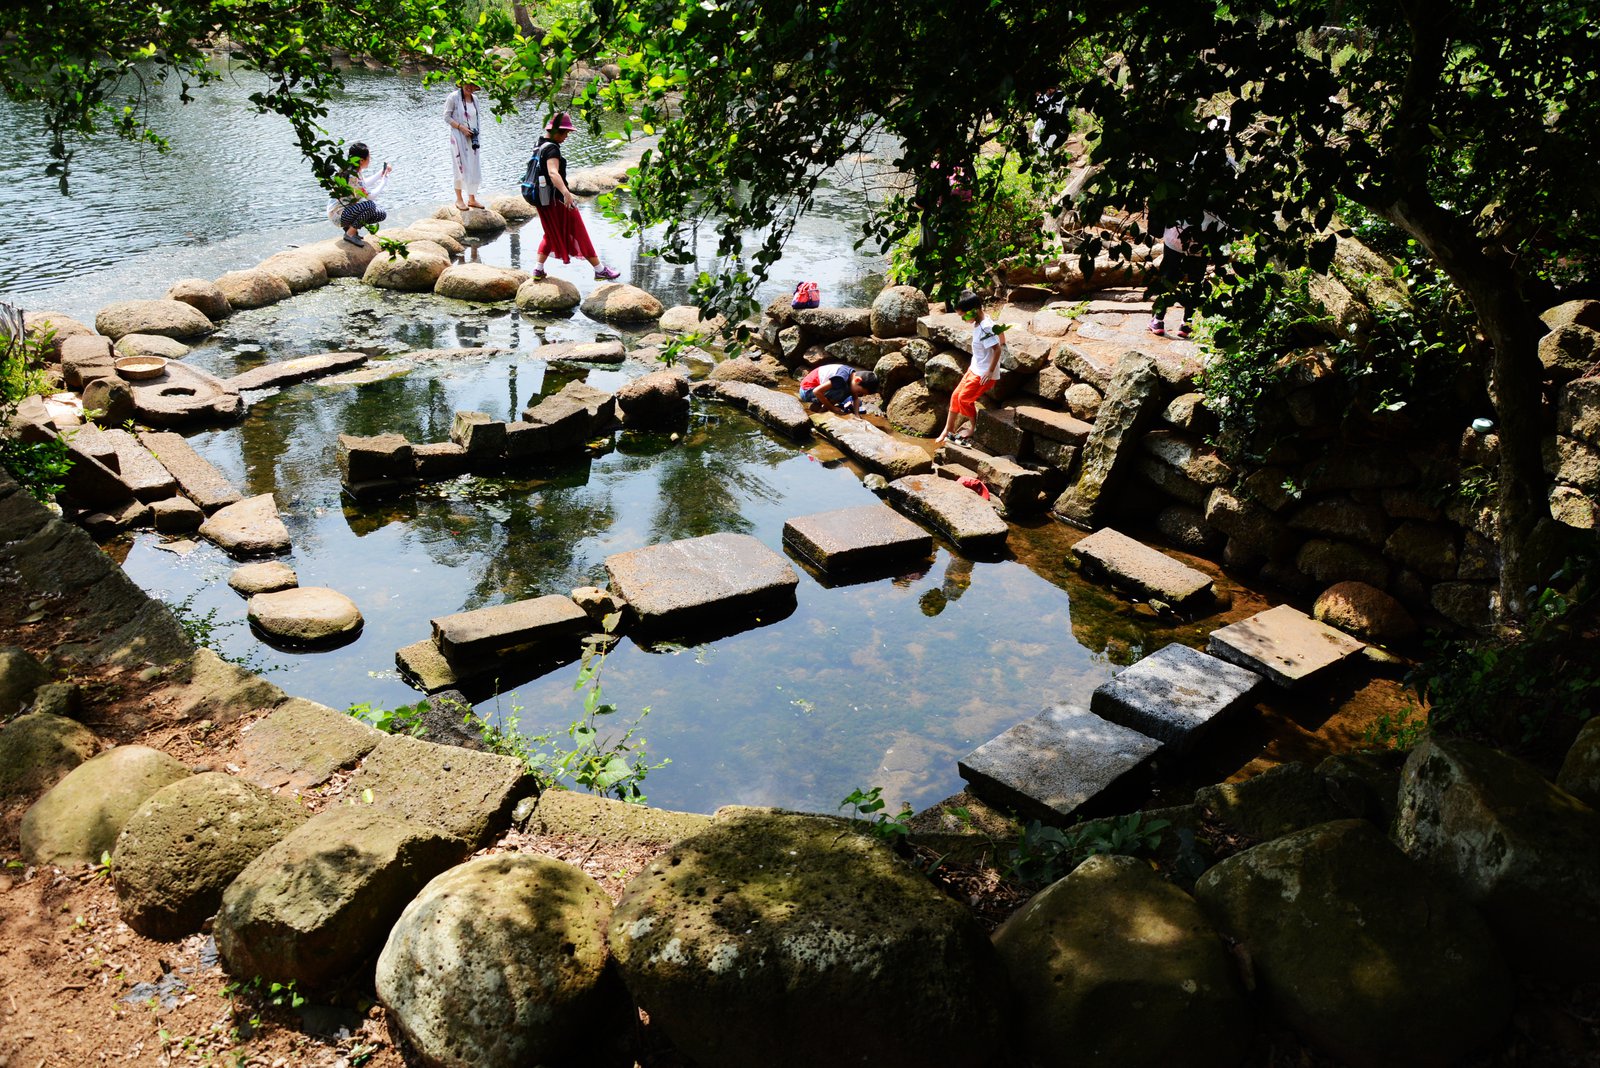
[40, 467]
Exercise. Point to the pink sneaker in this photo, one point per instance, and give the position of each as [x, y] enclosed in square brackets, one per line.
[603, 273]
[539, 272]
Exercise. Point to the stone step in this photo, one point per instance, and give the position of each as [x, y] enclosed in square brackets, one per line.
[868, 538]
[718, 580]
[196, 477]
[1283, 644]
[1175, 695]
[875, 449]
[565, 421]
[140, 471]
[996, 430]
[1056, 763]
[1148, 573]
[780, 411]
[950, 508]
[300, 369]
[248, 528]
[1057, 426]
[1019, 489]
[501, 628]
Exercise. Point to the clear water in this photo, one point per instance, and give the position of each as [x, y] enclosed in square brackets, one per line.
[884, 683]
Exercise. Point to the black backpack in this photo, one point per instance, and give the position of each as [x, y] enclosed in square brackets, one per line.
[536, 187]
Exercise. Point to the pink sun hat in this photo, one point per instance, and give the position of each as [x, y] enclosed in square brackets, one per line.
[561, 121]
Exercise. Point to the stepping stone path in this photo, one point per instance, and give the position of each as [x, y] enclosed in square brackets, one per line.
[1283, 644]
[249, 528]
[950, 508]
[1018, 489]
[305, 615]
[867, 538]
[196, 477]
[1055, 763]
[777, 410]
[268, 576]
[1148, 573]
[502, 628]
[716, 579]
[873, 448]
[1175, 695]
[288, 372]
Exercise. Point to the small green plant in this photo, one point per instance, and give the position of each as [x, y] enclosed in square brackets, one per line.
[1400, 730]
[405, 719]
[102, 870]
[40, 467]
[1044, 854]
[869, 818]
[394, 246]
[204, 631]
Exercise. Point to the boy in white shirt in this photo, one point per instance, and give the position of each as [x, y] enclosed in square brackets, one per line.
[982, 373]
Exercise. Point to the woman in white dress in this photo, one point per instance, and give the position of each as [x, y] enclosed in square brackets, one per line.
[461, 114]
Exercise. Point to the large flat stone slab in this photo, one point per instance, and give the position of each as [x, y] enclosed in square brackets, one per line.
[303, 744]
[780, 411]
[716, 579]
[503, 627]
[872, 448]
[1057, 426]
[1055, 763]
[141, 472]
[1175, 695]
[565, 421]
[870, 537]
[1283, 644]
[950, 508]
[459, 791]
[1020, 490]
[1148, 573]
[197, 478]
[249, 528]
[300, 369]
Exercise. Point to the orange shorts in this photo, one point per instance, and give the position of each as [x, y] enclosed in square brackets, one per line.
[964, 401]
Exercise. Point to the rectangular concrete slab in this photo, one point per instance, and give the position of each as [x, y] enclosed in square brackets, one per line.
[300, 369]
[503, 627]
[301, 744]
[459, 791]
[1148, 573]
[722, 578]
[197, 478]
[1175, 695]
[140, 471]
[1055, 763]
[422, 665]
[1049, 423]
[1283, 644]
[874, 449]
[780, 411]
[866, 538]
[950, 508]
[1019, 489]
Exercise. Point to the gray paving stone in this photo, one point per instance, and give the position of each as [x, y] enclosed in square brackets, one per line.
[997, 431]
[1055, 763]
[140, 471]
[780, 411]
[459, 791]
[302, 744]
[866, 538]
[717, 578]
[1175, 695]
[1019, 489]
[1283, 644]
[1049, 423]
[197, 478]
[875, 449]
[950, 508]
[503, 627]
[1147, 572]
[300, 369]
[252, 527]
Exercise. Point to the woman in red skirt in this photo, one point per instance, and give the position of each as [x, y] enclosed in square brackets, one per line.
[564, 233]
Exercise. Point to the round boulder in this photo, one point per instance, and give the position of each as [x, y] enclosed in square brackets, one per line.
[1365, 611]
[547, 296]
[1119, 966]
[943, 373]
[300, 269]
[502, 960]
[203, 295]
[448, 213]
[616, 302]
[62, 326]
[37, 750]
[253, 288]
[483, 221]
[919, 350]
[183, 846]
[893, 371]
[169, 318]
[267, 576]
[1360, 950]
[1083, 401]
[305, 615]
[685, 319]
[896, 310]
[416, 273]
[916, 411]
[513, 208]
[660, 398]
[450, 228]
[151, 345]
[758, 369]
[341, 259]
[20, 674]
[802, 932]
[480, 282]
[80, 818]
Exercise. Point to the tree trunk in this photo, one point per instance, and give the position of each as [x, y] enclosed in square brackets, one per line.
[1511, 326]
[524, 20]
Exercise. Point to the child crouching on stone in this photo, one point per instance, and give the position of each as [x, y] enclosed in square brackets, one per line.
[982, 373]
[357, 209]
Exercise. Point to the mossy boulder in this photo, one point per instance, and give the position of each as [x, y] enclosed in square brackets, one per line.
[586, 815]
[1119, 967]
[915, 410]
[417, 273]
[37, 750]
[20, 674]
[323, 899]
[184, 845]
[787, 940]
[80, 818]
[1359, 949]
[1525, 851]
[758, 369]
[895, 311]
[1279, 801]
[503, 960]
